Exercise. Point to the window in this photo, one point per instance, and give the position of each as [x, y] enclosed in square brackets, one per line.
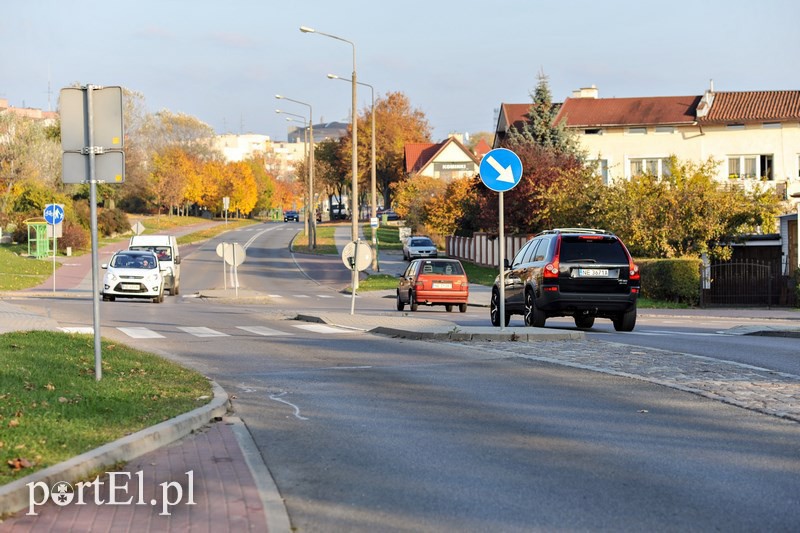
[771, 125]
[750, 167]
[601, 167]
[735, 126]
[637, 130]
[655, 166]
[665, 129]
[593, 131]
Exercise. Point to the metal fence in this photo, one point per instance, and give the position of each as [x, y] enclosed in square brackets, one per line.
[742, 283]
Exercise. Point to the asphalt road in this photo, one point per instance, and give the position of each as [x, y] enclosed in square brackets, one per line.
[367, 433]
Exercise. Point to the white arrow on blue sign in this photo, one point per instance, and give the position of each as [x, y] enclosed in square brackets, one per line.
[501, 169]
[54, 213]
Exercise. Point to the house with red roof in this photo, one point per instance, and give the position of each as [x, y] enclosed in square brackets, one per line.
[754, 135]
[446, 160]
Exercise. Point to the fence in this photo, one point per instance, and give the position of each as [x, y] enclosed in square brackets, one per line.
[483, 248]
[743, 283]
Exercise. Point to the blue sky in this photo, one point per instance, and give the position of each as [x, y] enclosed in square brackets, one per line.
[456, 61]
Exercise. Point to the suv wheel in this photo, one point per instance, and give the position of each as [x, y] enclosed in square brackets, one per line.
[400, 304]
[583, 321]
[534, 316]
[494, 310]
[625, 321]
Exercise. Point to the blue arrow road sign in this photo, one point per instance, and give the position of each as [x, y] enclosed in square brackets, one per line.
[501, 169]
[53, 213]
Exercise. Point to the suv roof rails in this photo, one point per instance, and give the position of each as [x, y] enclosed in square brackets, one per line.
[577, 230]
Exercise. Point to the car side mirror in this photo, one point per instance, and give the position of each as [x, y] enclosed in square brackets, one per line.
[506, 264]
[104, 266]
[178, 260]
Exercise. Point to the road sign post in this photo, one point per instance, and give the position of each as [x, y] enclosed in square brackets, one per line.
[500, 171]
[357, 256]
[54, 216]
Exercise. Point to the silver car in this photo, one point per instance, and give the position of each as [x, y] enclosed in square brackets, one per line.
[419, 246]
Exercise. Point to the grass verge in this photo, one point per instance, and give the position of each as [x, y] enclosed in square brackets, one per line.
[52, 408]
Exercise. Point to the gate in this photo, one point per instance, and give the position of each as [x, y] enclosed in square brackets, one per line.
[740, 283]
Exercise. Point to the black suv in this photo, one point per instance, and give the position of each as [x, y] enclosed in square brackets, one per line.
[577, 272]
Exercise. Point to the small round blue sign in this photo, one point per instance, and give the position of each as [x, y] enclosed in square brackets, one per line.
[53, 213]
[501, 169]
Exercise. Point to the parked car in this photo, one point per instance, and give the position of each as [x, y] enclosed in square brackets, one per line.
[419, 246]
[433, 282]
[390, 214]
[291, 215]
[582, 273]
[133, 274]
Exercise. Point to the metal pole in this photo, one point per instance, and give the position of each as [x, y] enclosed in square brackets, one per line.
[312, 211]
[502, 236]
[375, 265]
[98, 367]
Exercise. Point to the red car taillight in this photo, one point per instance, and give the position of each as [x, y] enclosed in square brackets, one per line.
[551, 268]
[634, 271]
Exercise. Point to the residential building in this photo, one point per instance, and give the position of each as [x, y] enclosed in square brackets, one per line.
[446, 160]
[28, 112]
[754, 135]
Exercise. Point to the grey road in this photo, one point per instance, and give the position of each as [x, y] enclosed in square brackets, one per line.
[367, 433]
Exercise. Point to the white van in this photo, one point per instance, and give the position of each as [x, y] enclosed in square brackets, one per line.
[166, 248]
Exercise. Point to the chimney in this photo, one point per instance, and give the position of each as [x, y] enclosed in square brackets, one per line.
[586, 92]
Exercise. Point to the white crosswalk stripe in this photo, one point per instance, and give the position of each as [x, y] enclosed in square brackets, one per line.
[262, 330]
[141, 333]
[324, 296]
[203, 332]
[80, 329]
[321, 328]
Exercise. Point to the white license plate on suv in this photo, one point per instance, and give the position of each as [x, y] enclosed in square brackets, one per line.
[129, 287]
[592, 272]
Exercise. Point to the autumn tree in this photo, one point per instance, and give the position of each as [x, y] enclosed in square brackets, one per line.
[240, 186]
[415, 196]
[397, 123]
[454, 208]
[265, 182]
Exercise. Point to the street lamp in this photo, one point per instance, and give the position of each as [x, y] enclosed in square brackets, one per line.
[374, 205]
[354, 208]
[302, 120]
[312, 219]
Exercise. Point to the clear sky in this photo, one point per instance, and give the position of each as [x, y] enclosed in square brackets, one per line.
[456, 61]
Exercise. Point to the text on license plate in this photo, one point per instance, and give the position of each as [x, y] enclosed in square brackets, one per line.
[440, 285]
[593, 272]
[130, 287]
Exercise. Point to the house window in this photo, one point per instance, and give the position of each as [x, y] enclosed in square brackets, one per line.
[750, 167]
[771, 125]
[601, 167]
[593, 131]
[735, 126]
[654, 166]
[637, 130]
[665, 129]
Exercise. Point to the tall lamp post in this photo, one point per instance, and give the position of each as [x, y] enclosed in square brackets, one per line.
[312, 211]
[354, 208]
[302, 120]
[373, 205]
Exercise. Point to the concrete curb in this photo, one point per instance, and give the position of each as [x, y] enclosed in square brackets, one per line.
[14, 495]
[481, 334]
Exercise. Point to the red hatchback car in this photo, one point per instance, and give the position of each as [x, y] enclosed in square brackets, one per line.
[433, 282]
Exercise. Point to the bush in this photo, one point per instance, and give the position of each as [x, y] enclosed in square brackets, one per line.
[74, 236]
[671, 280]
[112, 222]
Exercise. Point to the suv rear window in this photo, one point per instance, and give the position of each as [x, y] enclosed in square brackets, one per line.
[608, 250]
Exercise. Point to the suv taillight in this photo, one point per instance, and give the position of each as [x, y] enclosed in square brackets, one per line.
[551, 268]
[634, 270]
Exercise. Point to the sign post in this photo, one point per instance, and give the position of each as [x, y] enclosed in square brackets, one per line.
[357, 256]
[91, 143]
[501, 170]
[54, 216]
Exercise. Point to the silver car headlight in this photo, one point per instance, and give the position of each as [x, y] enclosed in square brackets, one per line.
[153, 277]
[111, 277]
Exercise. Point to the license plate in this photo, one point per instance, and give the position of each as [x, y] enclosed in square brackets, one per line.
[593, 272]
[129, 287]
[441, 285]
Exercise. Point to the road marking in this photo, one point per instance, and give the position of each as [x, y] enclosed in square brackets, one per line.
[203, 332]
[324, 296]
[662, 333]
[262, 330]
[79, 329]
[275, 295]
[302, 296]
[277, 398]
[321, 328]
[141, 333]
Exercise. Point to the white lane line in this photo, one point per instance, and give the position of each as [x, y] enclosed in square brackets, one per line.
[262, 330]
[85, 330]
[324, 296]
[277, 398]
[302, 296]
[203, 332]
[275, 295]
[663, 333]
[141, 333]
[321, 328]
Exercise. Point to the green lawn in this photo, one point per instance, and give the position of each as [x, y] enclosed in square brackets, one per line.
[52, 408]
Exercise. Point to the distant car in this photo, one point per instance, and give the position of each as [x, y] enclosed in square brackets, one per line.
[291, 215]
[389, 213]
[578, 272]
[433, 282]
[419, 246]
[133, 274]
